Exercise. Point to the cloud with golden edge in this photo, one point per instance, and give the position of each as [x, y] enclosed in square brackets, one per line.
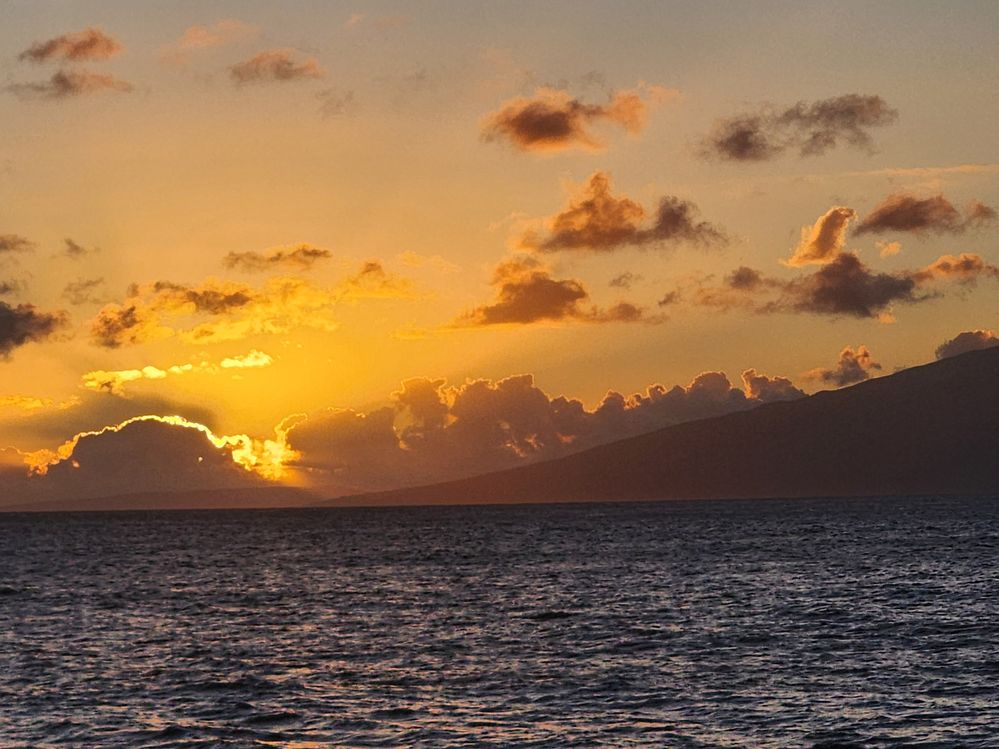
[215, 311]
[114, 381]
[968, 340]
[597, 220]
[553, 120]
[265, 458]
[33, 403]
[888, 249]
[852, 367]
[821, 242]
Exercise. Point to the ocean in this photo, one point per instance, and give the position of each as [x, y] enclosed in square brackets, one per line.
[806, 623]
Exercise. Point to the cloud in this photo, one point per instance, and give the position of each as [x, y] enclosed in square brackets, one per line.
[126, 324]
[965, 268]
[969, 340]
[553, 120]
[199, 37]
[11, 286]
[15, 243]
[821, 242]
[31, 403]
[432, 431]
[84, 291]
[149, 453]
[333, 103]
[905, 212]
[624, 280]
[438, 263]
[596, 220]
[526, 292]
[852, 367]
[812, 128]
[275, 65]
[69, 83]
[25, 323]
[75, 250]
[888, 249]
[299, 257]
[215, 311]
[845, 286]
[90, 44]
[113, 382]
[761, 388]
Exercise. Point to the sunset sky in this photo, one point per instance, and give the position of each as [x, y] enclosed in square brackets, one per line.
[263, 219]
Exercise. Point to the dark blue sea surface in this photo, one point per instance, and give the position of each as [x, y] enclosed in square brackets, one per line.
[869, 623]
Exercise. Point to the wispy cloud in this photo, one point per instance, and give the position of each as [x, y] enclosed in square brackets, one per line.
[813, 128]
[275, 66]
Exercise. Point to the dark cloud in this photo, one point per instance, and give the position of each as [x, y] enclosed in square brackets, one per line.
[624, 280]
[275, 65]
[10, 287]
[845, 286]
[209, 298]
[852, 367]
[146, 454]
[76, 250]
[821, 242]
[84, 291]
[301, 257]
[15, 243]
[597, 220]
[904, 212]
[812, 128]
[25, 323]
[969, 340]
[89, 44]
[527, 293]
[69, 83]
[669, 298]
[553, 120]
[334, 103]
[744, 278]
[433, 432]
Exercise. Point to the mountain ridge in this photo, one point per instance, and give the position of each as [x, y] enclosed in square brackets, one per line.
[928, 429]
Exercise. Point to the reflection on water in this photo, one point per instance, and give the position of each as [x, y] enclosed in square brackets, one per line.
[749, 624]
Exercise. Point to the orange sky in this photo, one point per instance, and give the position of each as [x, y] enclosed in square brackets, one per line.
[264, 221]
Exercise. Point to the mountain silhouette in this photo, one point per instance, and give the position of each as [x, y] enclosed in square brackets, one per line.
[932, 429]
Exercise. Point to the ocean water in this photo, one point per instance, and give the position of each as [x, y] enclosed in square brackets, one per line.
[860, 623]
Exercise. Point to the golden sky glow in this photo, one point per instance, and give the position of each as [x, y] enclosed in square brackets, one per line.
[260, 221]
